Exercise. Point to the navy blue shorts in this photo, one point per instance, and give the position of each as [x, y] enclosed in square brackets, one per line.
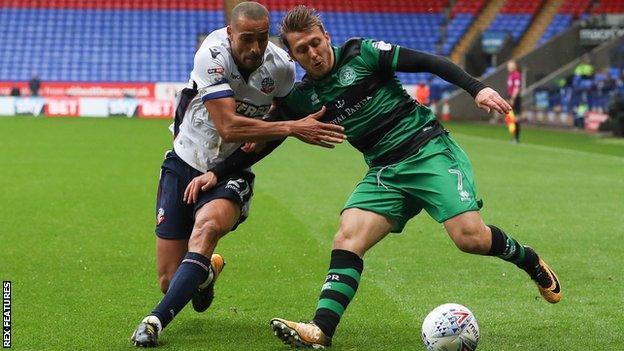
[175, 218]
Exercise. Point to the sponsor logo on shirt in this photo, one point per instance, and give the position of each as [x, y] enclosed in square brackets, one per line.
[348, 111]
[218, 70]
[249, 110]
[382, 46]
[214, 52]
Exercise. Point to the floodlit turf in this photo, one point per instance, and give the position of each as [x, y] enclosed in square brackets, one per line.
[76, 240]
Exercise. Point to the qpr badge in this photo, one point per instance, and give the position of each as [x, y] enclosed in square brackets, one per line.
[347, 75]
[267, 85]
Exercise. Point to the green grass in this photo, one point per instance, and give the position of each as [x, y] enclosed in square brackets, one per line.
[76, 240]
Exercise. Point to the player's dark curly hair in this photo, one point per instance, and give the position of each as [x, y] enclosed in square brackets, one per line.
[300, 19]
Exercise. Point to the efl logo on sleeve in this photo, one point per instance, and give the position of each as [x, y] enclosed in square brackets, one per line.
[6, 314]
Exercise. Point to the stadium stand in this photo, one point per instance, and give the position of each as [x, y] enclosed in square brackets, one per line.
[576, 92]
[559, 23]
[107, 40]
[462, 16]
[515, 17]
[382, 20]
[148, 41]
[575, 8]
[608, 6]
[568, 12]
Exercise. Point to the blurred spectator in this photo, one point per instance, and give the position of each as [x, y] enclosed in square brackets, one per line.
[584, 69]
[34, 84]
[616, 114]
[514, 84]
[604, 84]
[579, 115]
[422, 93]
[15, 91]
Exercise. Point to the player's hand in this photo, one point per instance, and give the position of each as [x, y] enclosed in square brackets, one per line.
[488, 99]
[311, 131]
[202, 182]
[253, 147]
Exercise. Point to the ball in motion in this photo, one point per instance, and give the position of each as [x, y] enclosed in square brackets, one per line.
[450, 327]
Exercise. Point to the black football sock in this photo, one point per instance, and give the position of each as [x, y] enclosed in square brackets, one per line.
[508, 249]
[193, 270]
[341, 283]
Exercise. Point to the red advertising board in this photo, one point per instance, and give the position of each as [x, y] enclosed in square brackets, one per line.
[62, 107]
[593, 120]
[77, 89]
[155, 109]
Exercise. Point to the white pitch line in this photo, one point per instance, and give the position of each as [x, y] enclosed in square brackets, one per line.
[543, 147]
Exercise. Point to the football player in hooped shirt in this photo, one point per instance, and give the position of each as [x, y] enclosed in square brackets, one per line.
[236, 76]
[413, 162]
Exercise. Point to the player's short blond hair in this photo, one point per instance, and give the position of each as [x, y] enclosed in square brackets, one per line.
[300, 19]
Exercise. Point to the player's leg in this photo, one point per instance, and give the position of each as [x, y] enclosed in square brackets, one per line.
[455, 204]
[237, 189]
[471, 235]
[359, 231]
[169, 254]
[217, 212]
[212, 221]
[174, 223]
[517, 108]
[211, 231]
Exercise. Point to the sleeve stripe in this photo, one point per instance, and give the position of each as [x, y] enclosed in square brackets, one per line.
[217, 95]
[219, 82]
[213, 89]
[395, 57]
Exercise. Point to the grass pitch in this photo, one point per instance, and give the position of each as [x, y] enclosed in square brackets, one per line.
[76, 240]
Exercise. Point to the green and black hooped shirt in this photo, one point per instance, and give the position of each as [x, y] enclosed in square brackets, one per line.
[363, 95]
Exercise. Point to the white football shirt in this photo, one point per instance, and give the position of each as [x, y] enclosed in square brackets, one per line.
[216, 76]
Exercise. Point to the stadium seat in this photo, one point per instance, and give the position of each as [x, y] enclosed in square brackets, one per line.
[515, 17]
[150, 41]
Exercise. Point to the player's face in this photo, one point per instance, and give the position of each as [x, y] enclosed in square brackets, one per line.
[312, 50]
[249, 39]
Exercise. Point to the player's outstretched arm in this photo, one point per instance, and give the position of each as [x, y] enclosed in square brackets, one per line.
[235, 128]
[236, 162]
[417, 61]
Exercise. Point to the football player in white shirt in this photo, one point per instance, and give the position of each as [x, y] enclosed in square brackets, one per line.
[236, 76]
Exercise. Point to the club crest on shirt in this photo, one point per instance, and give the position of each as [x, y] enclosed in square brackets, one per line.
[161, 216]
[346, 76]
[267, 85]
[314, 98]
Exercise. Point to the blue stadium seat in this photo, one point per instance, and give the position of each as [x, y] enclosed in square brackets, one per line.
[101, 45]
[158, 45]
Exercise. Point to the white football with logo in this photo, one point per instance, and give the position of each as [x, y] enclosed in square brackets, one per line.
[450, 327]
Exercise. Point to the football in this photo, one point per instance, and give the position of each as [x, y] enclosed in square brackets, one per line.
[450, 327]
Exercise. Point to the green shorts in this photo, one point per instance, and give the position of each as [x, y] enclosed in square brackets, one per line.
[438, 178]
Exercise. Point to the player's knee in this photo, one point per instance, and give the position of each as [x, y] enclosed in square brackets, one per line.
[346, 239]
[345, 235]
[470, 238]
[205, 233]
